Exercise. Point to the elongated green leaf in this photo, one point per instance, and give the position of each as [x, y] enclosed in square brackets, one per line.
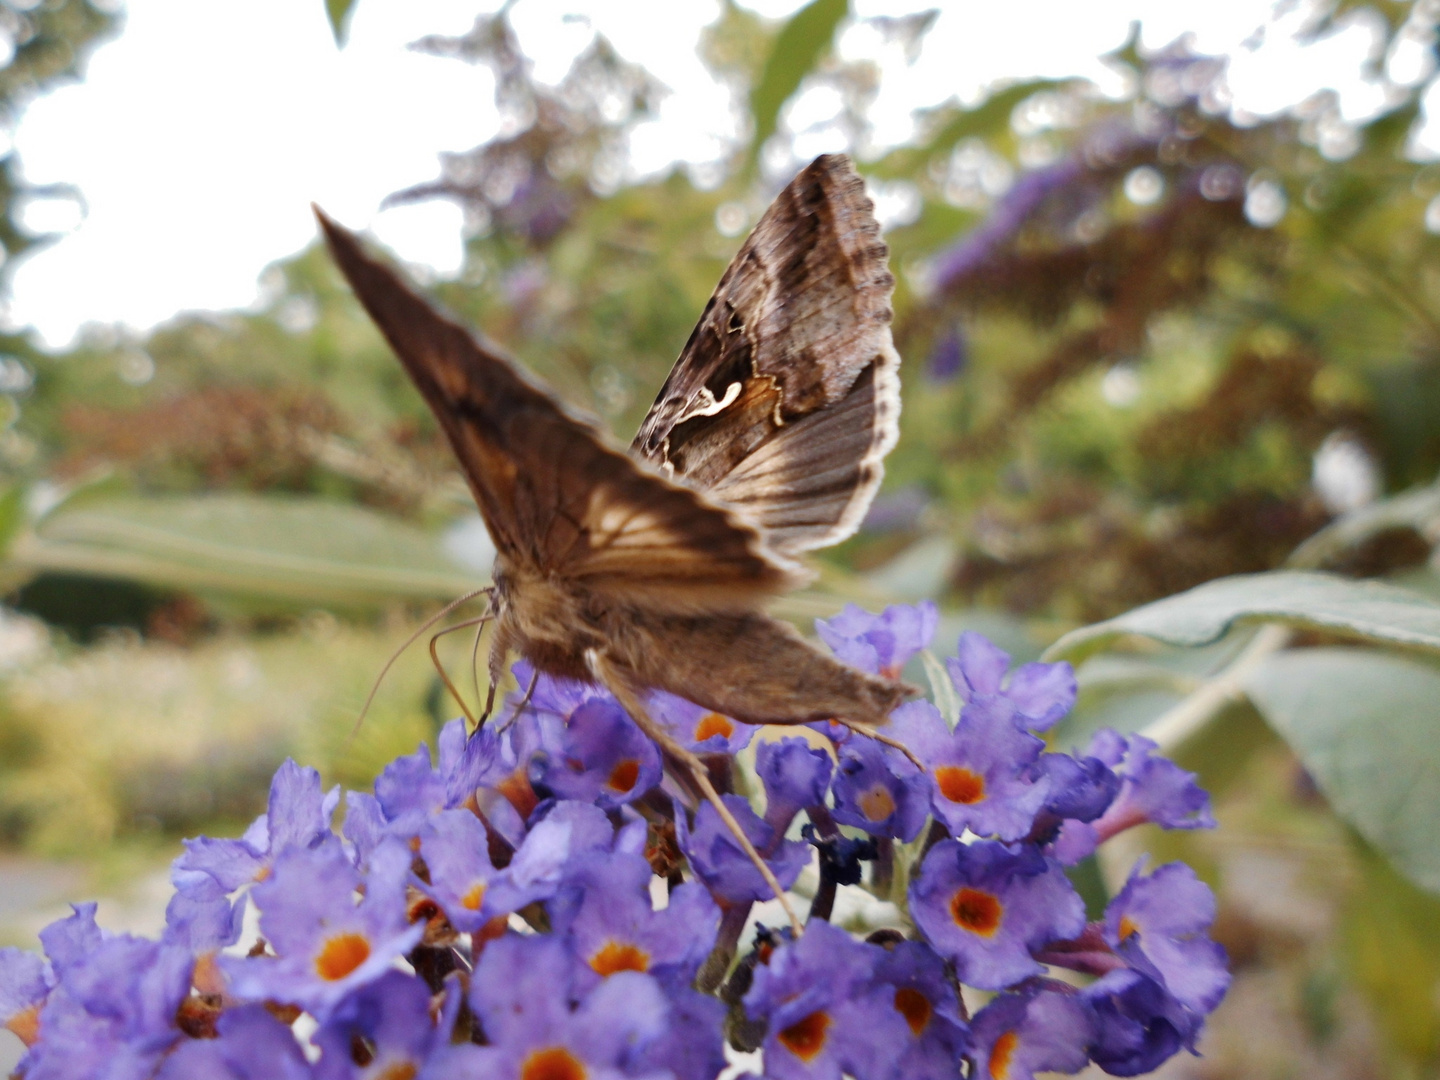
[339, 12]
[1362, 609]
[797, 49]
[304, 551]
[1417, 509]
[1366, 724]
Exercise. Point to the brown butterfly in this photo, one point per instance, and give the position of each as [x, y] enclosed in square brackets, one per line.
[649, 570]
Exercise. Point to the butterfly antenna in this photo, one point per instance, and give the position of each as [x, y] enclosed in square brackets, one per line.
[440, 668]
[529, 691]
[488, 591]
[871, 733]
[617, 684]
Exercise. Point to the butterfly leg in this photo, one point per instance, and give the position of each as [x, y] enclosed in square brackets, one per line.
[870, 733]
[613, 678]
[529, 692]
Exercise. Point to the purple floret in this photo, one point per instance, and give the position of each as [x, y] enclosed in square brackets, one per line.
[1153, 790]
[604, 912]
[537, 1022]
[698, 728]
[1160, 924]
[796, 776]
[25, 981]
[602, 758]
[987, 908]
[980, 774]
[718, 860]
[326, 944]
[880, 644]
[925, 997]
[113, 1013]
[1138, 1024]
[1040, 694]
[298, 817]
[879, 790]
[826, 1012]
[391, 1019]
[70, 940]
[1039, 1030]
[200, 916]
[251, 1045]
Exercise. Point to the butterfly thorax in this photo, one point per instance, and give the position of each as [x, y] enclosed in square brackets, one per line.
[546, 620]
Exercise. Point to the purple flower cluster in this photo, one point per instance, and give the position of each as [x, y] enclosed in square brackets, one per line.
[545, 904]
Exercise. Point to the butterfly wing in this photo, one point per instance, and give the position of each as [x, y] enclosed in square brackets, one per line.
[558, 501]
[786, 398]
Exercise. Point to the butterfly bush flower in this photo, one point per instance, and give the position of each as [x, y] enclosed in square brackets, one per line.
[698, 728]
[1038, 694]
[541, 903]
[326, 943]
[298, 817]
[980, 774]
[879, 790]
[606, 916]
[390, 1018]
[827, 1013]
[880, 644]
[718, 860]
[986, 907]
[540, 1027]
[1036, 1030]
[250, 1044]
[602, 757]
[796, 776]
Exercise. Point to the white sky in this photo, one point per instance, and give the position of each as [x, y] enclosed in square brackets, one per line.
[201, 135]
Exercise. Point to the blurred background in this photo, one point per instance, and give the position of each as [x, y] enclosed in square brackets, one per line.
[1168, 297]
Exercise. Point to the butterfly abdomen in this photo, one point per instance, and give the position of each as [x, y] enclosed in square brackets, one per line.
[747, 666]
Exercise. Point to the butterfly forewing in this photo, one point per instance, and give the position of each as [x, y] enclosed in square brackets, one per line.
[559, 502]
[786, 398]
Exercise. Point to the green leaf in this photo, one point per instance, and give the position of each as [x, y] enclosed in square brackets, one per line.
[798, 48]
[295, 550]
[1391, 934]
[1417, 509]
[339, 12]
[1366, 725]
[942, 690]
[1362, 609]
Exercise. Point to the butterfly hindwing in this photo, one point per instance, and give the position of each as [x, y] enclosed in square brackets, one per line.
[786, 398]
[558, 500]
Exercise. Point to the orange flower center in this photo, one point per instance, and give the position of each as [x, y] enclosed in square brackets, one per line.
[976, 911]
[341, 955]
[552, 1063]
[1127, 927]
[1001, 1053]
[401, 1070]
[620, 956]
[960, 785]
[877, 804]
[713, 724]
[806, 1038]
[624, 775]
[915, 1007]
[472, 900]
